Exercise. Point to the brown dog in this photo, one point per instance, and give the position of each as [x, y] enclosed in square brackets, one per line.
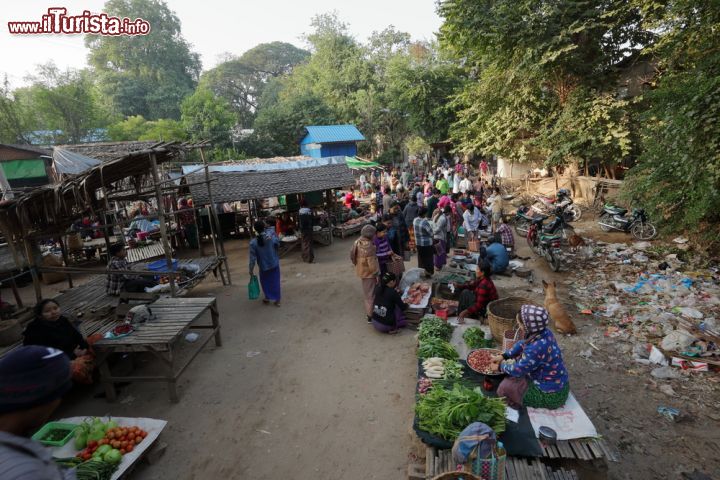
[576, 241]
[563, 324]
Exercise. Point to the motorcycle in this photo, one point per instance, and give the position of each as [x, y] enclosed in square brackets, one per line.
[547, 245]
[546, 205]
[614, 218]
[558, 226]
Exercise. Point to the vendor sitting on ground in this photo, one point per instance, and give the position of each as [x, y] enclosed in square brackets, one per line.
[284, 225]
[496, 254]
[124, 282]
[51, 329]
[388, 307]
[33, 380]
[477, 294]
[536, 372]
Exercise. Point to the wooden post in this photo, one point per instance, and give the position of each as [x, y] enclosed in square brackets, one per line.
[32, 264]
[213, 218]
[163, 227]
[63, 250]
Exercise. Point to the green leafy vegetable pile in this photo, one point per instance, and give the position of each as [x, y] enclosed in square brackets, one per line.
[434, 327]
[436, 347]
[475, 338]
[453, 370]
[446, 412]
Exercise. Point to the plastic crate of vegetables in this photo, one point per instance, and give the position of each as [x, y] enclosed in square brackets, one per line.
[55, 434]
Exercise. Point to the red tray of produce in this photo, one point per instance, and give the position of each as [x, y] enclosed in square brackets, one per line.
[479, 361]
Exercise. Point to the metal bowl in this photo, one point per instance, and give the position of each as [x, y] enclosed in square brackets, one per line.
[495, 351]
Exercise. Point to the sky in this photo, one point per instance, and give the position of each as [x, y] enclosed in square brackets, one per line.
[213, 27]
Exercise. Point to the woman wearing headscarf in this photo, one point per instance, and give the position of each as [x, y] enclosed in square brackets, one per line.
[264, 252]
[186, 217]
[51, 328]
[388, 307]
[536, 372]
[363, 257]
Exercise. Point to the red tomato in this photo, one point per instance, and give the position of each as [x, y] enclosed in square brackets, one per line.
[138, 439]
[122, 450]
[92, 443]
[129, 449]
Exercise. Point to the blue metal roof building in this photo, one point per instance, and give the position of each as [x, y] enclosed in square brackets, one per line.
[330, 141]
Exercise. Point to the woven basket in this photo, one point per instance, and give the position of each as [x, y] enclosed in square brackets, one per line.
[501, 315]
[510, 338]
[457, 476]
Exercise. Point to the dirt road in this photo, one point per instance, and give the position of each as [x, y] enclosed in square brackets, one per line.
[305, 391]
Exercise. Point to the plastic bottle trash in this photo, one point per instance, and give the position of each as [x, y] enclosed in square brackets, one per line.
[691, 313]
[668, 412]
[192, 337]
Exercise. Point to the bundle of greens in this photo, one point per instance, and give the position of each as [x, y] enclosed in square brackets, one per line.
[446, 412]
[434, 327]
[475, 338]
[452, 370]
[436, 347]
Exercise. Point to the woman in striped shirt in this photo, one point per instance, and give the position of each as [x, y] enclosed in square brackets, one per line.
[382, 247]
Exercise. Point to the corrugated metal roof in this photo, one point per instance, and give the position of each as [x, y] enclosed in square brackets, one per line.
[332, 134]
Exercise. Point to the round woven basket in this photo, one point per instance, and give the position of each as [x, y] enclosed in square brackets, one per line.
[457, 476]
[501, 315]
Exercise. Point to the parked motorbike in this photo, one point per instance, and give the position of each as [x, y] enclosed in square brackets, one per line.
[547, 205]
[558, 226]
[547, 245]
[614, 218]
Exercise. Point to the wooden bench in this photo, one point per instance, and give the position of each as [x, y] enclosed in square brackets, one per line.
[160, 337]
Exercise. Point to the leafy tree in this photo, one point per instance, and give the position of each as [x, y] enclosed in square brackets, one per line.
[207, 117]
[417, 146]
[241, 81]
[65, 101]
[137, 128]
[146, 75]
[14, 116]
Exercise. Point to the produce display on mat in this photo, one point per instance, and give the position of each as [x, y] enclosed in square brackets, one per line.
[437, 347]
[479, 360]
[434, 327]
[416, 293]
[446, 412]
[475, 338]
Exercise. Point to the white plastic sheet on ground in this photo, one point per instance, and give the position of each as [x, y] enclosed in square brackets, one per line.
[570, 421]
[152, 426]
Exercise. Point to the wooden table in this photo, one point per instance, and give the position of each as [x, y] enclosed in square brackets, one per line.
[160, 337]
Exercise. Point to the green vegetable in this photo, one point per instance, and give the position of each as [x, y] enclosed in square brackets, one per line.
[96, 435]
[103, 449]
[95, 470]
[80, 439]
[446, 412]
[435, 347]
[453, 370]
[113, 456]
[70, 462]
[111, 424]
[475, 338]
[434, 327]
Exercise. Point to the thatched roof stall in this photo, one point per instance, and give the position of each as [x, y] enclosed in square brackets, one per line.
[126, 170]
[265, 178]
[52, 208]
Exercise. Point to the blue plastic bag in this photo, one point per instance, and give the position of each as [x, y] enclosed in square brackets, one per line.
[253, 288]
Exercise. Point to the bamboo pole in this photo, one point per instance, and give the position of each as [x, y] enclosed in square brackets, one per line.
[32, 263]
[63, 250]
[163, 227]
[212, 217]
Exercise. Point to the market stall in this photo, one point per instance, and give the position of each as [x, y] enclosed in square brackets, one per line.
[100, 448]
[456, 399]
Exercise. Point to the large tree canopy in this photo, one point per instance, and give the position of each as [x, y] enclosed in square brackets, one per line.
[146, 75]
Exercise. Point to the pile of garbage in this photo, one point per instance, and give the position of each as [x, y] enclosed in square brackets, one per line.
[669, 308]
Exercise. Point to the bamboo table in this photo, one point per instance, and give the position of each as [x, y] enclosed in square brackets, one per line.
[160, 337]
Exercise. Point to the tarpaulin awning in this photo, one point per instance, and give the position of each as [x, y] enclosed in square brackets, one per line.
[357, 164]
[72, 163]
[26, 168]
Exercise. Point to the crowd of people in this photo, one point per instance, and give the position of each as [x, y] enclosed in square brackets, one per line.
[425, 213]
